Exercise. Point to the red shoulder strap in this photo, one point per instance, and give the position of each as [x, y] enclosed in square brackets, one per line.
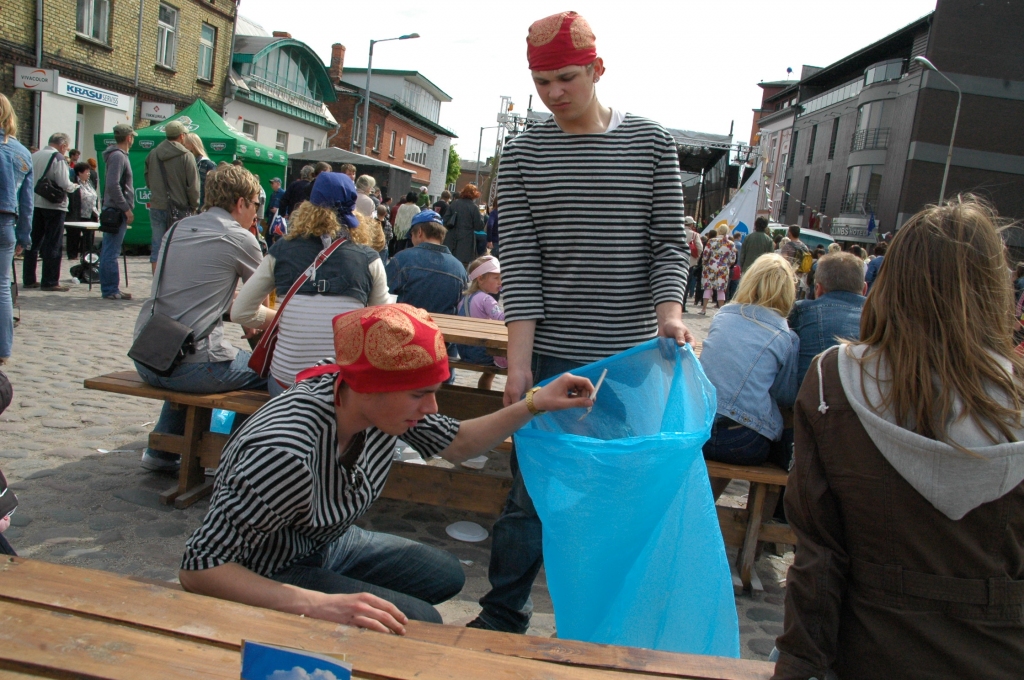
[320, 258]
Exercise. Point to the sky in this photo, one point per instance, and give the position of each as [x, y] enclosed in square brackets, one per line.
[688, 65]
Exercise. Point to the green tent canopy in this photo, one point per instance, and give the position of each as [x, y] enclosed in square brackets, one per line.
[222, 142]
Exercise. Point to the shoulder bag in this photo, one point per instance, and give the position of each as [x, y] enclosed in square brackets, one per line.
[175, 212]
[164, 342]
[263, 352]
[47, 188]
[111, 218]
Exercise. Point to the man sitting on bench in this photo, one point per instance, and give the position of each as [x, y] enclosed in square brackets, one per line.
[302, 469]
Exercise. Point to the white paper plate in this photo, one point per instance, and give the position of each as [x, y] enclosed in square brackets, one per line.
[477, 463]
[471, 532]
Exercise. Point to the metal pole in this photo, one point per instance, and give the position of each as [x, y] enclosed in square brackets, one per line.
[366, 103]
[38, 96]
[479, 145]
[952, 136]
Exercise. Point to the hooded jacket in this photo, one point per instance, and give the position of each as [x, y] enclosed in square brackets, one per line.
[910, 553]
[118, 189]
[182, 176]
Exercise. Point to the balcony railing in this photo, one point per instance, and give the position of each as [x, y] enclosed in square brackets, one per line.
[872, 138]
[854, 203]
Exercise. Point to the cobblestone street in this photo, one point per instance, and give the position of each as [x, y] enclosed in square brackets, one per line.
[72, 457]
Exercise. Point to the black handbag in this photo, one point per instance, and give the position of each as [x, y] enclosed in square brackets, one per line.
[163, 342]
[111, 220]
[47, 188]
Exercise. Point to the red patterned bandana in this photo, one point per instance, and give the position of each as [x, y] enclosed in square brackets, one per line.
[560, 40]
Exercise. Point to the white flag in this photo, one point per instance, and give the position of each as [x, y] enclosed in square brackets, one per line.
[739, 214]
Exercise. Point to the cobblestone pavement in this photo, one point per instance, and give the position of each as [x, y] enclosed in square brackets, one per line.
[72, 456]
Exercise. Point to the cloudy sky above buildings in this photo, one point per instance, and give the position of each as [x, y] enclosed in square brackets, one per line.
[689, 65]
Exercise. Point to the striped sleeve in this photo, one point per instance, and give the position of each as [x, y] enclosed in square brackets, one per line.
[669, 265]
[522, 276]
[432, 435]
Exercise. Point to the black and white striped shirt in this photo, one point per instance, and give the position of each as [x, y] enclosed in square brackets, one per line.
[592, 235]
[281, 492]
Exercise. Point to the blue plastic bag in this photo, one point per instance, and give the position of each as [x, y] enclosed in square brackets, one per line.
[632, 545]
[221, 421]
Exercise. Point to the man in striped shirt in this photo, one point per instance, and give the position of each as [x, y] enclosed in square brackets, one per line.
[303, 468]
[593, 244]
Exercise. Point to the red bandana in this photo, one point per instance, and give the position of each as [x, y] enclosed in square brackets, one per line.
[560, 40]
[389, 348]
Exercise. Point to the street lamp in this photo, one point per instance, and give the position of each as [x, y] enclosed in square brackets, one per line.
[956, 118]
[480, 144]
[369, 69]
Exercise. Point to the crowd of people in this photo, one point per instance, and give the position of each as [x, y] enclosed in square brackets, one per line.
[887, 384]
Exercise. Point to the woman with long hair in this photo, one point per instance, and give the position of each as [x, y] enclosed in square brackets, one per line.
[351, 278]
[194, 143]
[16, 204]
[463, 220]
[906, 493]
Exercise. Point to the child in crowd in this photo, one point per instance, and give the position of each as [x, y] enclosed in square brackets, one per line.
[479, 302]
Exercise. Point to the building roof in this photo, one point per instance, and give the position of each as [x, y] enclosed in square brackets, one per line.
[400, 109]
[244, 26]
[414, 76]
[777, 83]
[250, 49]
[333, 154]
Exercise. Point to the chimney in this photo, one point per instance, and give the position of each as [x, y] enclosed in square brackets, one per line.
[282, 34]
[337, 62]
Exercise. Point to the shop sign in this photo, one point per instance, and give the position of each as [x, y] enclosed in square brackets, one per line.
[38, 79]
[851, 231]
[157, 110]
[256, 150]
[92, 94]
[142, 195]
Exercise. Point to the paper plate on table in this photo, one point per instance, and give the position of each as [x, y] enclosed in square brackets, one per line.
[471, 532]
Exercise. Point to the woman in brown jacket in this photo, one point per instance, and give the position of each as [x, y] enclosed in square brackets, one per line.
[906, 491]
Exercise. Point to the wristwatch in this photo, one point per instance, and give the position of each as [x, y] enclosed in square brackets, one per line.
[529, 402]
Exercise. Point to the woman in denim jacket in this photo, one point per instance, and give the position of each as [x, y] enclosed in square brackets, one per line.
[16, 187]
[751, 357]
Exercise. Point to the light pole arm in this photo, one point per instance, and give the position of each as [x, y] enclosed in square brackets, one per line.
[952, 135]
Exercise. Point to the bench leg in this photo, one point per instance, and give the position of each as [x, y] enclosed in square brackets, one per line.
[191, 476]
[755, 510]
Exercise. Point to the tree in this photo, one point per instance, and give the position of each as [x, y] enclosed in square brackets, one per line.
[454, 167]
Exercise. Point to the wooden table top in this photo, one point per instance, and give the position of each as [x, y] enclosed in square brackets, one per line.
[465, 330]
[62, 621]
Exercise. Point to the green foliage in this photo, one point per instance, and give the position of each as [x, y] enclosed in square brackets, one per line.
[454, 166]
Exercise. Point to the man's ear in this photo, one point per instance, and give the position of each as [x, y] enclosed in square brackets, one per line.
[598, 65]
[864, 292]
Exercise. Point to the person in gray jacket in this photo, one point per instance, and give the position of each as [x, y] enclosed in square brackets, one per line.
[47, 217]
[118, 192]
[172, 176]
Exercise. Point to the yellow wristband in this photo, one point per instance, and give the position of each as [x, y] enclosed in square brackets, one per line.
[529, 402]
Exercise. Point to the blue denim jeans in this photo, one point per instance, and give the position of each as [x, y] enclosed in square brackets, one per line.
[410, 575]
[200, 378]
[516, 548]
[158, 225]
[110, 251]
[7, 242]
[735, 444]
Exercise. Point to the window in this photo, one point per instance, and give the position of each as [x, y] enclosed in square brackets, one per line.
[376, 137]
[249, 129]
[803, 194]
[307, 144]
[832, 143]
[872, 131]
[166, 36]
[287, 67]
[783, 160]
[207, 40]
[416, 151]
[93, 19]
[282, 141]
[420, 100]
[824, 191]
[810, 147]
[392, 151]
[863, 185]
[785, 200]
[792, 149]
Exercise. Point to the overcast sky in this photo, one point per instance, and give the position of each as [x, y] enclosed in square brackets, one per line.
[689, 65]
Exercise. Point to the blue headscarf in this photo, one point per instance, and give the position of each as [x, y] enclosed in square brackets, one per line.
[337, 191]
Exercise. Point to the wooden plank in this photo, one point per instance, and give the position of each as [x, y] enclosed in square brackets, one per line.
[450, 488]
[765, 474]
[733, 522]
[42, 641]
[129, 383]
[210, 445]
[755, 506]
[465, 403]
[467, 366]
[202, 620]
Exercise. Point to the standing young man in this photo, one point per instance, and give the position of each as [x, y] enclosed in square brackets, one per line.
[172, 176]
[583, 279]
[118, 192]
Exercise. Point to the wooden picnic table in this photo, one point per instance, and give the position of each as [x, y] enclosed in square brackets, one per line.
[62, 621]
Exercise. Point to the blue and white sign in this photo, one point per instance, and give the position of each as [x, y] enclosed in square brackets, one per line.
[93, 95]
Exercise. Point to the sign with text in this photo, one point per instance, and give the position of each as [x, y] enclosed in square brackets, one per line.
[38, 79]
[157, 110]
[93, 95]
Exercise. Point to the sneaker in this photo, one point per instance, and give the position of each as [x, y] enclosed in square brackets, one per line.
[30, 285]
[56, 289]
[159, 461]
[118, 296]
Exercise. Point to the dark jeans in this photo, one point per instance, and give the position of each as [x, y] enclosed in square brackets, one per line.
[516, 548]
[47, 233]
[410, 575]
[735, 444]
[78, 241]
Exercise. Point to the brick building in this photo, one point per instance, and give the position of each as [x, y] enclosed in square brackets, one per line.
[106, 74]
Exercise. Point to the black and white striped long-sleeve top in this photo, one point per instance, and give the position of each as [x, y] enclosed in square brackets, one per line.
[592, 235]
[281, 492]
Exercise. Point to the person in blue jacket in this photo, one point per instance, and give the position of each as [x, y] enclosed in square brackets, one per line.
[16, 204]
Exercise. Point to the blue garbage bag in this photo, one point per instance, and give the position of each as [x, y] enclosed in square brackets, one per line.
[632, 545]
[221, 421]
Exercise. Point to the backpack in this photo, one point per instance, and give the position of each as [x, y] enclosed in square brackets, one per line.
[806, 262]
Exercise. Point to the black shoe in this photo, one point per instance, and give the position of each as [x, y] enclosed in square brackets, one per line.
[30, 285]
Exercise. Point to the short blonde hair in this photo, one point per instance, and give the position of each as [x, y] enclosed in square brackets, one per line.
[769, 282]
[722, 229]
[314, 221]
[226, 183]
[834, 248]
[8, 119]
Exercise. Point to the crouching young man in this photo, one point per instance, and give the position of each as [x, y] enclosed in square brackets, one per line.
[295, 477]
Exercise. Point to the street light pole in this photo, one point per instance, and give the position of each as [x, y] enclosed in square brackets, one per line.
[366, 96]
[956, 119]
[479, 145]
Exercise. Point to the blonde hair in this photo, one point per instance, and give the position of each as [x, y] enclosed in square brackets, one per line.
[834, 248]
[196, 144]
[8, 119]
[474, 285]
[314, 221]
[365, 183]
[368, 233]
[722, 229]
[769, 282]
[940, 310]
[226, 183]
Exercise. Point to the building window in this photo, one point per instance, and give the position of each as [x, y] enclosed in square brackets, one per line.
[282, 141]
[207, 41]
[166, 36]
[307, 144]
[420, 100]
[824, 191]
[792, 149]
[863, 185]
[377, 132]
[416, 151]
[93, 19]
[392, 151]
[803, 194]
[785, 200]
[810, 147]
[832, 143]
[249, 129]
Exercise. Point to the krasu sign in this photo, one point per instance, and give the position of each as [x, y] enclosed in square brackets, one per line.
[92, 94]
